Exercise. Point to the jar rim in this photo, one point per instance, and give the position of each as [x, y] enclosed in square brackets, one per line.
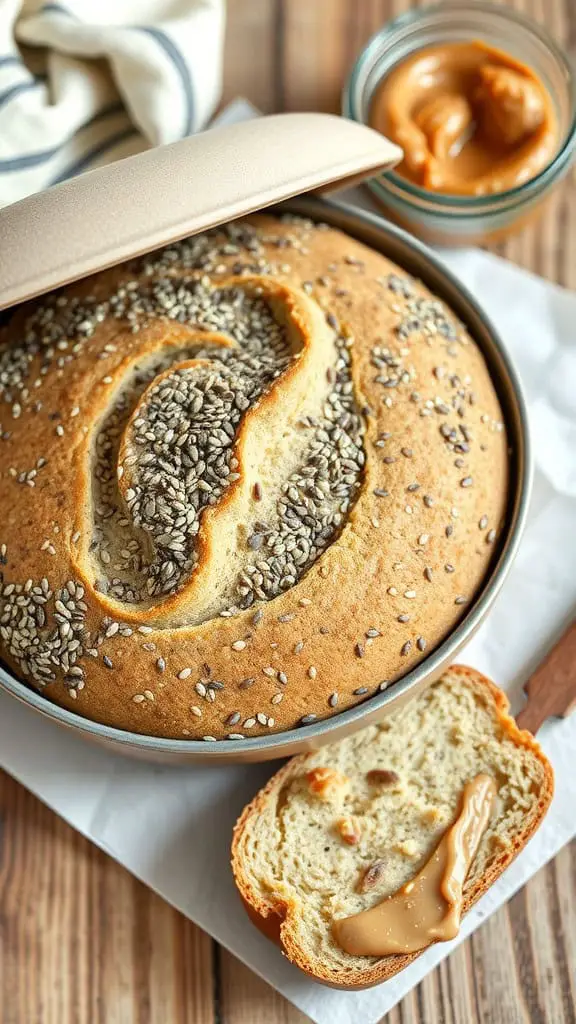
[467, 205]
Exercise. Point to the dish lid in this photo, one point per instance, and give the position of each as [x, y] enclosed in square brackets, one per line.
[135, 205]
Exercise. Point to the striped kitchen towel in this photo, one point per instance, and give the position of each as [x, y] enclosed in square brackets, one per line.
[85, 82]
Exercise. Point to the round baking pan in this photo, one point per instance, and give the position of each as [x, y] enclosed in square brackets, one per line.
[419, 261]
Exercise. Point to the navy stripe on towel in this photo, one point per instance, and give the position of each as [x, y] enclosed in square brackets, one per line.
[173, 53]
[52, 8]
[88, 158]
[23, 163]
[9, 94]
[10, 59]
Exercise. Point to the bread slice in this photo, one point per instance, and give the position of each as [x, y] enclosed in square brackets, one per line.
[302, 847]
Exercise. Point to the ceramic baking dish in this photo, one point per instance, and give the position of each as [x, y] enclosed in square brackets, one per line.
[143, 202]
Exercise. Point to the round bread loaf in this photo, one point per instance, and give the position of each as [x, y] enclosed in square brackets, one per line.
[247, 481]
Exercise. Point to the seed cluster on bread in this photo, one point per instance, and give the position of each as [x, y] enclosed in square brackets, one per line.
[336, 831]
[232, 465]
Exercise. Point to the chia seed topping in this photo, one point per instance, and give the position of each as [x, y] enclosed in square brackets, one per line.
[180, 457]
[166, 451]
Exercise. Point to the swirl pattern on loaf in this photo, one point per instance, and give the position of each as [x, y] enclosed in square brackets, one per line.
[227, 462]
[247, 481]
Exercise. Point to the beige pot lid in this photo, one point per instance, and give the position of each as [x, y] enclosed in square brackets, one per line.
[135, 205]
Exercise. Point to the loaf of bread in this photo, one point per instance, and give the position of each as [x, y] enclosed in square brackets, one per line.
[336, 831]
[229, 468]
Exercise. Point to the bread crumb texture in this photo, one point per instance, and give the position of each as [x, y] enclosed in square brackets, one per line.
[291, 860]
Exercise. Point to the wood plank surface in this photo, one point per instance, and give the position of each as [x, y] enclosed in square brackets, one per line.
[81, 941]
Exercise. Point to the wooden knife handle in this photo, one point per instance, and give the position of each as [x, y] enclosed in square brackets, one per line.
[551, 689]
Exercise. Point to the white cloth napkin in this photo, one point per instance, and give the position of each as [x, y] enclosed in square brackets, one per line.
[99, 80]
[172, 826]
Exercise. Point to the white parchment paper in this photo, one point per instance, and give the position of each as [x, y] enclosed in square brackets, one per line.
[171, 827]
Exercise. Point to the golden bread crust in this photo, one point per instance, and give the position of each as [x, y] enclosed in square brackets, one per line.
[413, 551]
[277, 919]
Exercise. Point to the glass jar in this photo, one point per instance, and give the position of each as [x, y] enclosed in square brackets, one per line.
[463, 220]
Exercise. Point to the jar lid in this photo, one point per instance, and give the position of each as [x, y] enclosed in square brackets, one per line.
[135, 205]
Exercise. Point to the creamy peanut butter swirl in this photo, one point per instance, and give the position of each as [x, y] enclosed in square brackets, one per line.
[471, 119]
[428, 908]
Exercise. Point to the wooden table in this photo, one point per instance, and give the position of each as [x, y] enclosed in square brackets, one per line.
[81, 941]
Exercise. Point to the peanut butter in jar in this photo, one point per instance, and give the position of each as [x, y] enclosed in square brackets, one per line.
[471, 119]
